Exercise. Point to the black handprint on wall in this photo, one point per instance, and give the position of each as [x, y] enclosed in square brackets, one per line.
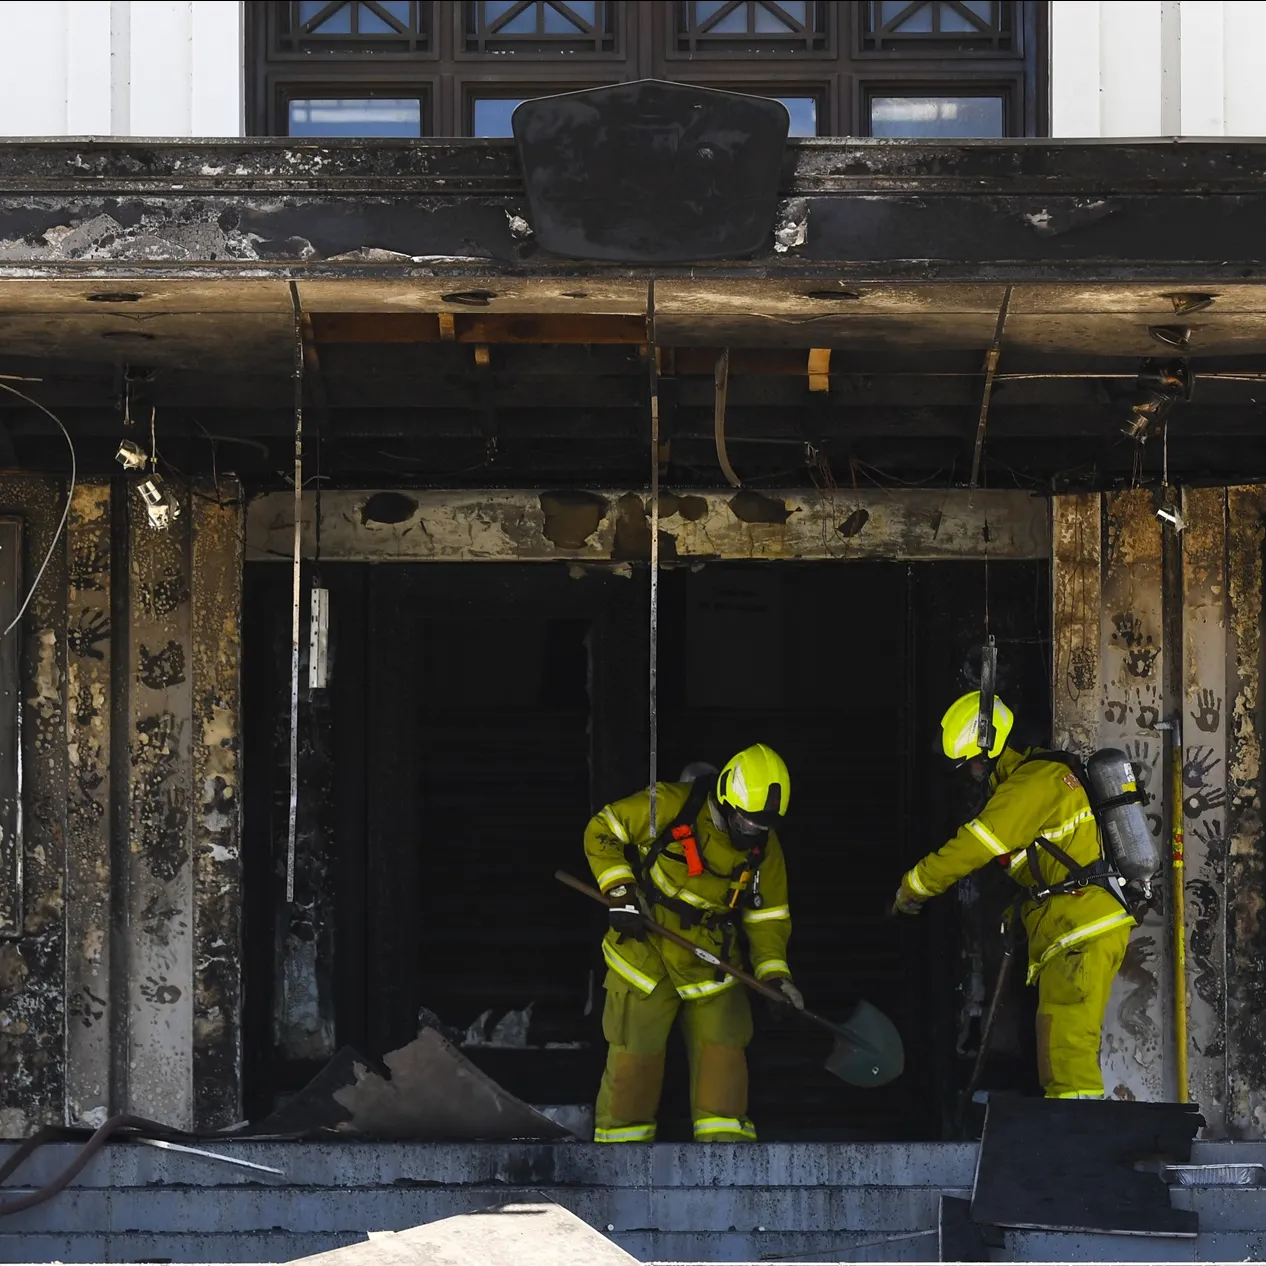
[1208, 713]
[83, 636]
[1140, 754]
[1114, 711]
[1201, 802]
[1199, 764]
[1148, 708]
[1209, 834]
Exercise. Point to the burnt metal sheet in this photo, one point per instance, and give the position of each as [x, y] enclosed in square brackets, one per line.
[159, 915]
[612, 526]
[1137, 1034]
[33, 966]
[693, 173]
[89, 863]
[1086, 1152]
[435, 1092]
[1205, 737]
[1246, 860]
[215, 671]
[1056, 210]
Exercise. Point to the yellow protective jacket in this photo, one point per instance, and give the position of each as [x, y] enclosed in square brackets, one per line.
[1031, 799]
[645, 963]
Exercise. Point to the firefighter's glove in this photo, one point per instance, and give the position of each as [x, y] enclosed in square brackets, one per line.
[624, 915]
[906, 902]
[790, 992]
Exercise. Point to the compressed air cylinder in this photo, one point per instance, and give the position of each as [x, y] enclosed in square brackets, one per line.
[1127, 840]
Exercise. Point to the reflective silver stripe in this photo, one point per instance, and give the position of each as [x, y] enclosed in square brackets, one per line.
[625, 1134]
[705, 988]
[1077, 1094]
[616, 826]
[770, 967]
[768, 915]
[639, 980]
[1067, 828]
[987, 837]
[1086, 932]
[707, 1126]
[612, 875]
[912, 878]
[670, 889]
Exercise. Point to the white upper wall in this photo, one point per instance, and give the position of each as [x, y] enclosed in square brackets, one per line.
[121, 68]
[1158, 68]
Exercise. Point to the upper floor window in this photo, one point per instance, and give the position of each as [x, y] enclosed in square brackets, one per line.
[887, 68]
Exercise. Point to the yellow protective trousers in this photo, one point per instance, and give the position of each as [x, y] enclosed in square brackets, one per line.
[1072, 996]
[717, 1030]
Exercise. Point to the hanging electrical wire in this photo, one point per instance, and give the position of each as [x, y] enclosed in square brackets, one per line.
[61, 525]
[653, 650]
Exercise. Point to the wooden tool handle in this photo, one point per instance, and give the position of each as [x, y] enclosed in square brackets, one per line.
[757, 986]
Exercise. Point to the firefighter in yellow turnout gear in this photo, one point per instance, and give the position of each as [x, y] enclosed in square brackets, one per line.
[713, 864]
[1077, 940]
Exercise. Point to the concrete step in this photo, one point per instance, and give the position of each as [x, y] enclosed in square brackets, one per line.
[681, 1249]
[1211, 1246]
[347, 1164]
[318, 1210]
[1224, 1208]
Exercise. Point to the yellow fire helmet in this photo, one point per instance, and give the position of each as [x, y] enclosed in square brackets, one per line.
[959, 727]
[755, 787]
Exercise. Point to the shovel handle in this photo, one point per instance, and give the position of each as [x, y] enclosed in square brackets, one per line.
[757, 986]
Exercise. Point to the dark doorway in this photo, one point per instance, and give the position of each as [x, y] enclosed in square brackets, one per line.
[479, 714]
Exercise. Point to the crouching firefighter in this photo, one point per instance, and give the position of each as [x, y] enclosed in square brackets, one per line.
[1074, 839]
[714, 864]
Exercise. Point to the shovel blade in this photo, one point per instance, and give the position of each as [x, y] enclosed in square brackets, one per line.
[868, 1049]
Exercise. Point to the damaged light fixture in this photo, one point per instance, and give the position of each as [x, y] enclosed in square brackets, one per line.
[162, 508]
[131, 456]
[1161, 384]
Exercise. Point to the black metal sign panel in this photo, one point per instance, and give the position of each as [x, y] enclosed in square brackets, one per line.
[651, 172]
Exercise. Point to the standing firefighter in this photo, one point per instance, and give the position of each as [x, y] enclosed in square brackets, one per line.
[1038, 822]
[714, 862]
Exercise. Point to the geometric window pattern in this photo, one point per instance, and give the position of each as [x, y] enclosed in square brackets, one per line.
[539, 26]
[351, 26]
[751, 25]
[948, 26]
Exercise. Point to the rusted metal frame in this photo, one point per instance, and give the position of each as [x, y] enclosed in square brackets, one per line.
[159, 915]
[611, 526]
[992, 357]
[1205, 718]
[1246, 847]
[89, 856]
[217, 781]
[1136, 1043]
[32, 965]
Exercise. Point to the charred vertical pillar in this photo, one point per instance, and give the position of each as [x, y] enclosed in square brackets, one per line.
[216, 804]
[1076, 534]
[32, 961]
[1246, 849]
[160, 913]
[1136, 1027]
[89, 664]
[1203, 716]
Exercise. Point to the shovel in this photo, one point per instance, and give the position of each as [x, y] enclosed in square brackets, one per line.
[867, 1051]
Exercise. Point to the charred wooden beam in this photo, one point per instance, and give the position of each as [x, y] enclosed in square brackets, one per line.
[611, 526]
